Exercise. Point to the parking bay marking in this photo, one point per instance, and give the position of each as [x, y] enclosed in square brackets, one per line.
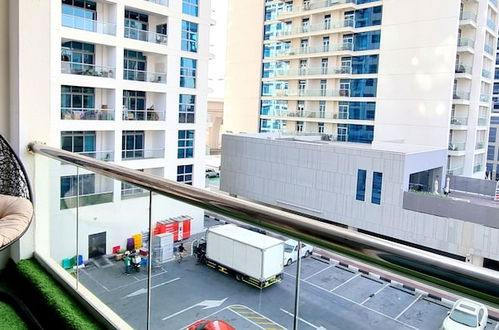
[206, 303]
[144, 290]
[255, 317]
[410, 305]
[304, 321]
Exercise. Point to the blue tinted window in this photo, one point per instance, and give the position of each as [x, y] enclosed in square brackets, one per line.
[361, 87]
[184, 174]
[270, 30]
[494, 120]
[377, 181]
[490, 153]
[270, 88]
[190, 7]
[492, 134]
[360, 110]
[490, 166]
[367, 40]
[185, 144]
[189, 36]
[360, 2]
[360, 133]
[270, 125]
[361, 185]
[272, 49]
[368, 17]
[273, 107]
[188, 72]
[365, 64]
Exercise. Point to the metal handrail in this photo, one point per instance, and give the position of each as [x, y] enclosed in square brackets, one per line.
[457, 275]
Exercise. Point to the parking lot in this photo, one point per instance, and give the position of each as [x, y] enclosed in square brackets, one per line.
[332, 296]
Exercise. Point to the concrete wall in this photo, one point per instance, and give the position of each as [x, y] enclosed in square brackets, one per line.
[320, 180]
[243, 65]
[477, 186]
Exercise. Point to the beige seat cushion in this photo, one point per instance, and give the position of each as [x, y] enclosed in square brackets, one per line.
[15, 214]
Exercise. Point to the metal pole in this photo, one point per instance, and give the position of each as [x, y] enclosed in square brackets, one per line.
[77, 222]
[149, 264]
[297, 287]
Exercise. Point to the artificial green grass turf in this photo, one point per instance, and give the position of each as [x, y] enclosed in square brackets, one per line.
[9, 320]
[62, 310]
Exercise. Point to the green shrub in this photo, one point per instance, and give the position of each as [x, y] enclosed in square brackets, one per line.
[61, 310]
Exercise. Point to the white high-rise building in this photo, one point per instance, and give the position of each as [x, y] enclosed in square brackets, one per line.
[366, 71]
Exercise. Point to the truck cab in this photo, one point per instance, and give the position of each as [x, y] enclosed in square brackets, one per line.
[291, 251]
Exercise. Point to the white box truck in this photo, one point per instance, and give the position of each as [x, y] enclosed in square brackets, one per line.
[251, 257]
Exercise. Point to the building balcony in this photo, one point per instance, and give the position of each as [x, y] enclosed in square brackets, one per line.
[491, 25]
[461, 68]
[87, 114]
[486, 74]
[485, 98]
[457, 146]
[290, 10]
[142, 154]
[159, 2]
[340, 47]
[148, 115]
[467, 16]
[80, 23]
[466, 45]
[314, 71]
[146, 76]
[461, 95]
[87, 69]
[143, 35]
[479, 145]
[459, 121]
[456, 171]
[483, 121]
[311, 93]
[477, 168]
[488, 49]
[326, 27]
[107, 156]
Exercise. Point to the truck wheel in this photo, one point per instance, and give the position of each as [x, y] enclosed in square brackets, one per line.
[239, 277]
[289, 262]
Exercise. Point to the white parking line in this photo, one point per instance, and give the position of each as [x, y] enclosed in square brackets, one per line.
[410, 305]
[374, 294]
[320, 271]
[351, 278]
[299, 318]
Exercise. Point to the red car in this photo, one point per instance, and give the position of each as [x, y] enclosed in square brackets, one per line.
[211, 325]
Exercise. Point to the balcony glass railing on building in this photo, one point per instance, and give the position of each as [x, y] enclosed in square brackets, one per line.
[315, 50]
[455, 171]
[479, 145]
[326, 26]
[477, 168]
[466, 42]
[107, 156]
[311, 6]
[461, 95]
[142, 154]
[488, 49]
[459, 121]
[81, 23]
[144, 35]
[87, 114]
[491, 24]
[457, 146]
[159, 2]
[486, 74]
[312, 92]
[483, 121]
[314, 71]
[484, 97]
[467, 15]
[147, 76]
[148, 114]
[461, 68]
[87, 69]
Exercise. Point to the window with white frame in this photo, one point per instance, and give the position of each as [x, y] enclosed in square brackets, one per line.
[186, 108]
[185, 144]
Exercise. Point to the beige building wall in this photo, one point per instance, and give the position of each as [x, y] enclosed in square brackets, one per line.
[214, 125]
[243, 65]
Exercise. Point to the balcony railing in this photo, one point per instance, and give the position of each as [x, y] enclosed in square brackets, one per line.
[80, 23]
[479, 145]
[159, 2]
[459, 121]
[86, 200]
[466, 42]
[142, 154]
[314, 71]
[461, 68]
[147, 76]
[107, 156]
[455, 171]
[491, 24]
[467, 15]
[87, 69]
[484, 97]
[326, 26]
[135, 224]
[312, 92]
[315, 50]
[477, 168]
[86, 114]
[143, 115]
[460, 95]
[486, 74]
[488, 49]
[143, 35]
[310, 6]
[457, 146]
[482, 121]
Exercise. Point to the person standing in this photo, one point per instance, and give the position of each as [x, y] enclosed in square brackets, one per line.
[127, 260]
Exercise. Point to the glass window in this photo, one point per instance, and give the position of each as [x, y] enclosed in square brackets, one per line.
[361, 185]
[367, 40]
[86, 183]
[79, 14]
[186, 108]
[132, 144]
[492, 133]
[490, 152]
[80, 56]
[188, 72]
[134, 105]
[360, 110]
[190, 7]
[376, 194]
[134, 65]
[185, 144]
[136, 25]
[368, 17]
[73, 97]
[360, 133]
[78, 141]
[184, 174]
[271, 125]
[189, 36]
[365, 64]
[320, 127]
[361, 87]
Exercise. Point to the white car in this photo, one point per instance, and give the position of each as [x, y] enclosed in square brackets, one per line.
[291, 251]
[465, 315]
